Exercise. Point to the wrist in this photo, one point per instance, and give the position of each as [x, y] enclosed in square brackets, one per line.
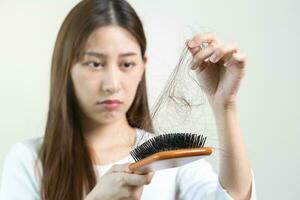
[223, 113]
[219, 108]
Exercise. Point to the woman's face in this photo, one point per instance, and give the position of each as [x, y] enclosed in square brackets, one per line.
[110, 68]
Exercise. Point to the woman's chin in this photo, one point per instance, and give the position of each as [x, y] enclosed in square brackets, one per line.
[109, 117]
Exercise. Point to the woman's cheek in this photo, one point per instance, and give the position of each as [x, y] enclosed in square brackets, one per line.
[86, 92]
[133, 89]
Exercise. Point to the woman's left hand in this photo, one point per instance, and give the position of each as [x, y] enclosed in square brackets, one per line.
[219, 69]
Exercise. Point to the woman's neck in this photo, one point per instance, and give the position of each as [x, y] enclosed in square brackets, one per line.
[107, 136]
[110, 142]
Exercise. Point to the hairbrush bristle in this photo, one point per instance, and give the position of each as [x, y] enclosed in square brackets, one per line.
[167, 142]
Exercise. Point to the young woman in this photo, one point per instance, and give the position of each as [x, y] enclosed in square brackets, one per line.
[98, 112]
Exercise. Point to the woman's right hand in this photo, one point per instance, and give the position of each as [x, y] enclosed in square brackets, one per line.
[120, 183]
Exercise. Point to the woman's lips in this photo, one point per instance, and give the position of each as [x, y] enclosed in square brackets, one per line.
[111, 101]
[110, 104]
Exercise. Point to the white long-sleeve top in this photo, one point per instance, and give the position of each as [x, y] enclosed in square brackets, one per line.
[193, 181]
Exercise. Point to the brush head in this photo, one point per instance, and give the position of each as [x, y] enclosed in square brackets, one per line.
[167, 142]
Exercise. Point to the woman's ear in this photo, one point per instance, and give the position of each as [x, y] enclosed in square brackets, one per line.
[145, 59]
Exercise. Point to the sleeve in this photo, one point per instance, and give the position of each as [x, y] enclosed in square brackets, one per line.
[18, 180]
[197, 180]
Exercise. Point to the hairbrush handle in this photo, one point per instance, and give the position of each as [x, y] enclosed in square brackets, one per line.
[169, 159]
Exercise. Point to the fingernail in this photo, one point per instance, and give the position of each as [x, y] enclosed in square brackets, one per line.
[191, 44]
[213, 58]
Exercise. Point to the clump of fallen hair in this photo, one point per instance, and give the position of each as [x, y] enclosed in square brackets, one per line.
[180, 100]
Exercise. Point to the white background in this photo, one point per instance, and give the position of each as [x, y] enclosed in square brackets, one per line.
[267, 31]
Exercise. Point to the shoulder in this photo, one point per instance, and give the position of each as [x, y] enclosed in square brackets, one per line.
[25, 148]
[19, 170]
[22, 156]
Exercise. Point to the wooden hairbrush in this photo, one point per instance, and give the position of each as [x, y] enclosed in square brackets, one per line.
[168, 151]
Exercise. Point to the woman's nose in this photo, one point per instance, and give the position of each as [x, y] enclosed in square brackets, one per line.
[111, 80]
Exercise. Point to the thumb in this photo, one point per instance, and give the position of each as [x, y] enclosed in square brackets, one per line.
[120, 168]
[192, 49]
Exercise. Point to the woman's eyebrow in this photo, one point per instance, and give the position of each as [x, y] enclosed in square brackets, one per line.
[100, 55]
[95, 54]
[127, 54]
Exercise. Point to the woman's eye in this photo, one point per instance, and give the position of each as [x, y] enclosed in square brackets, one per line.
[128, 64]
[93, 64]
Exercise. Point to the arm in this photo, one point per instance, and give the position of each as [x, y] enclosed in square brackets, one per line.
[235, 174]
[220, 69]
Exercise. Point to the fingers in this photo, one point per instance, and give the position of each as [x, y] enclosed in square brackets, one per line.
[120, 168]
[127, 177]
[223, 52]
[201, 57]
[194, 43]
[201, 38]
[136, 180]
[238, 60]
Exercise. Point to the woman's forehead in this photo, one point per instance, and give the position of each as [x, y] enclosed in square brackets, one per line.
[112, 39]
